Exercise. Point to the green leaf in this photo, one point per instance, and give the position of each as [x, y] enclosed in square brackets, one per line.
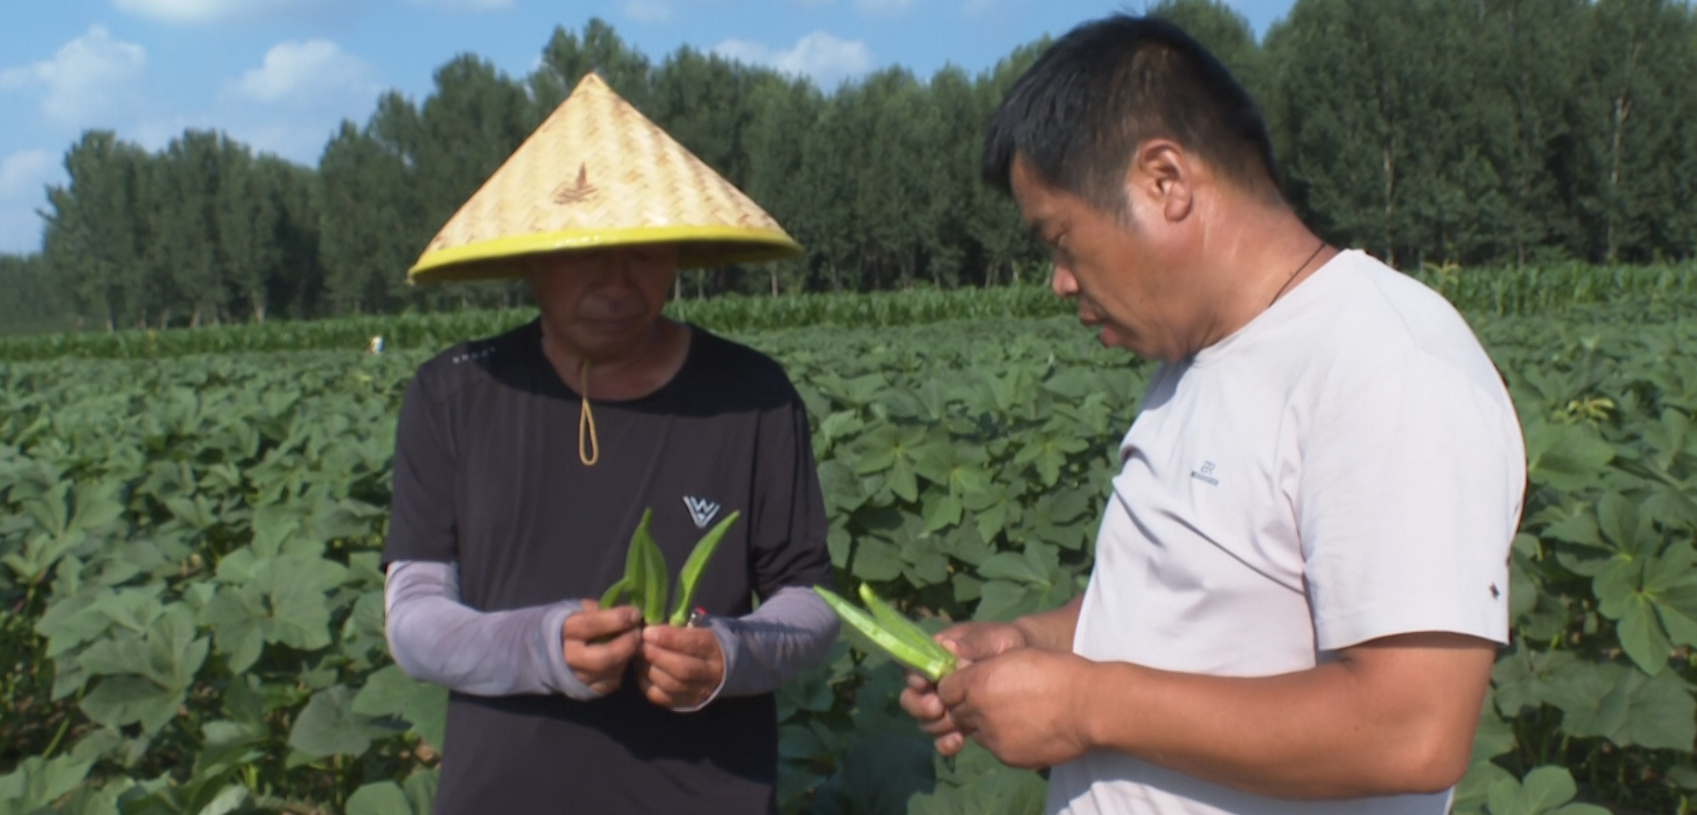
[421, 790]
[1005, 791]
[390, 692]
[1471, 794]
[1566, 457]
[1592, 697]
[1641, 636]
[36, 782]
[1494, 736]
[328, 726]
[381, 798]
[1012, 566]
[1661, 714]
[941, 511]
[876, 561]
[228, 744]
[129, 699]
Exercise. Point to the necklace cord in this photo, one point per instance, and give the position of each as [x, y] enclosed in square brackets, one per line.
[586, 424]
[1281, 291]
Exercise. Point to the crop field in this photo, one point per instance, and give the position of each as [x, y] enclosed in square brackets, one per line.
[191, 607]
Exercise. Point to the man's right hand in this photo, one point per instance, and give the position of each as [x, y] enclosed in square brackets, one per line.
[969, 642]
[598, 642]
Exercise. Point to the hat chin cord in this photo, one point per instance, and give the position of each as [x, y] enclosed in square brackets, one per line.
[589, 452]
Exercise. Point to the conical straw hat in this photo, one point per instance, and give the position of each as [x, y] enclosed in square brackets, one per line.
[598, 174]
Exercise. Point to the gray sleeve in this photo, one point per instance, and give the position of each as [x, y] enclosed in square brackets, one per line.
[436, 638]
[790, 633]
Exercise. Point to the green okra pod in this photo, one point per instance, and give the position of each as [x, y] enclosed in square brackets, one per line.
[694, 566]
[935, 661]
[654, 580]
[636, 565]
[893, 621]
[612, 596]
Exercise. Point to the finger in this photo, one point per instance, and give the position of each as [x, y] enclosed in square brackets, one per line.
[592, 625]
[922, 705]
[670, 684]
[951, 691]
[683, 667]
[950, 744]
[697, 642]
[595, 659]
[656, 696]
[666, 690]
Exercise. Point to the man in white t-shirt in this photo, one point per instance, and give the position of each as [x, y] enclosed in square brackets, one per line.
[1301, 577]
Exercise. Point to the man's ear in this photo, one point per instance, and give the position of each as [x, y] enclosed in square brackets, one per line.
[1161, 175]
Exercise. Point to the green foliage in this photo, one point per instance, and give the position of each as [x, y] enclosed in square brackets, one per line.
[192, 608]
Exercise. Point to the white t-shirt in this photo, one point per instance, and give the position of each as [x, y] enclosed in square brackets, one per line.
[1347, 466]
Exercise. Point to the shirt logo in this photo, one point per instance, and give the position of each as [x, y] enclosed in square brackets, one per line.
[701, 511]
[1206, 474]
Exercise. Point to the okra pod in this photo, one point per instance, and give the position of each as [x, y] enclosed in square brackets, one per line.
[636, 565]
[613, 592]
[694, 566]
[934, 662]
[893, 621]
[654, 581]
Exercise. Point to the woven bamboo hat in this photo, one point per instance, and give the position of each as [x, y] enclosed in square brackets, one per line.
[599, 174]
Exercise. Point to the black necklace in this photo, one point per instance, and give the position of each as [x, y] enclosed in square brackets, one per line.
[1293, 275]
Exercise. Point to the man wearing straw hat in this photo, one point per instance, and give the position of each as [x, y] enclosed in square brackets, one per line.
[523, 463]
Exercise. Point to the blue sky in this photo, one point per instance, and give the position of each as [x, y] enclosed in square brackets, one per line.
[281, 74]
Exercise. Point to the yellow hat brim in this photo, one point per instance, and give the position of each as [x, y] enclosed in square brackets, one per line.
[699, 246]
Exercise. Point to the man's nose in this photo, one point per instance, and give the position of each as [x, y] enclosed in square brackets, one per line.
[1062, 282]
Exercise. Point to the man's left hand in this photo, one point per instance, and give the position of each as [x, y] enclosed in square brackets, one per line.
[1022, 705]
[679, 667]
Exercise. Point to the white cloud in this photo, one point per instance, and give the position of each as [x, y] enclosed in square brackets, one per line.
[87, 82]
[305, 72]
[647, 11]
[22, 175]
[820, 56]
[884, 6]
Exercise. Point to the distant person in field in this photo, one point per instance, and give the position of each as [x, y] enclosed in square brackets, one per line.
[524, 462]
[1301, 577]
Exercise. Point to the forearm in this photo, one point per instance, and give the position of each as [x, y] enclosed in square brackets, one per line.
[435, 638]
[1346, 729]
[1052, 630]
[791, 632]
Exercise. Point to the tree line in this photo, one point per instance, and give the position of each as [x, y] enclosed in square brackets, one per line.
[1452, 132]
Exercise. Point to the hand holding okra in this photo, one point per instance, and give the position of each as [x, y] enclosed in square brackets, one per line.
[969, 642]
[598, 642]
[676, 666]
[679, 667]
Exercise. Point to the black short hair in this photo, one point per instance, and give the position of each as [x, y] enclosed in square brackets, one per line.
[1078, 114]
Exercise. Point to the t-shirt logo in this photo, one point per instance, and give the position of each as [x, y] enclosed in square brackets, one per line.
[701, 511]
[1206, 474]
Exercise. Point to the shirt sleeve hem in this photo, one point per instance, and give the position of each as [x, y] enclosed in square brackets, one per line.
[1336, 633]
